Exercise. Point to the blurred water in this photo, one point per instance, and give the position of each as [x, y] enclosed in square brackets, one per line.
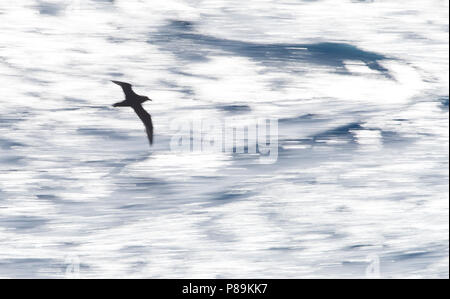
[360, 89]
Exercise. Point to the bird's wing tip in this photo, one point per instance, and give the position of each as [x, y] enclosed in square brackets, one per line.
[120, 83]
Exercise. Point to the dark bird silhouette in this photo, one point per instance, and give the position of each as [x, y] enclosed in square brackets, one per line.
[135, 101]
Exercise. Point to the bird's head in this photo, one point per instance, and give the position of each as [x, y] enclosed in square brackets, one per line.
[147, 99]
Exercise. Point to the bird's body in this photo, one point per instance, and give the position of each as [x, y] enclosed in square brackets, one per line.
[135, 101]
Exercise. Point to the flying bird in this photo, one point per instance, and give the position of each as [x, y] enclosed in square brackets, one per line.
[135, 101]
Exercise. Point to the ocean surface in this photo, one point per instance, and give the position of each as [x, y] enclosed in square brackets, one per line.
[360, 186]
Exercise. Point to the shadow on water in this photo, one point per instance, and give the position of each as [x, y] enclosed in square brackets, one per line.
[179, 38]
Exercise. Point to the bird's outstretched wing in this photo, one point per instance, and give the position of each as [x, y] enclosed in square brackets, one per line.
[126, 87]
[146, 119]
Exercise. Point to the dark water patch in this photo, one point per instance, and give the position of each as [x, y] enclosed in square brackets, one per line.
[7, 120]
[410, 255]
[28, 267]
[104, 108]
[137, 266]
[433, 180]
[392, 138]
[358, 246]
[287, 141]
[203, 177]
[183, 73]
[277, 84]
[66, 244]
[65, 109]
[29, 75]
[180, 38]
[342, 132]
[187, 90]
[416, 258]
[281, 248]
[298, 119]
[182, 25]
[22, 222]
[117, 40]
[146, 186]
[225, 196]
[311, 156]
[75, 100]
[334, 54]
[33, 94]
[50, 8]
[133, 249]
[414, 36]
[133, 207]
[65, 203]
[47, 197]
[115, 74]
[353, 268]
[404, 12]
[137, 157]
[102, 132]
[12, 160]
[78, 50]
[48, 176]
[151, 183]
[235, 109]
[444, 103]
[9, 144]
[101, 162]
